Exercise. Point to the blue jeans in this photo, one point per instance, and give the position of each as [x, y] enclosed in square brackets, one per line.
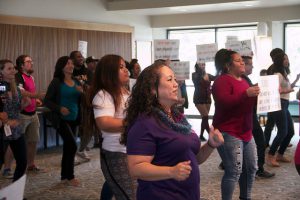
[240, 162]
[285, 126]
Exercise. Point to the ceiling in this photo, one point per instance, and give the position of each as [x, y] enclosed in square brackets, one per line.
[167, 7]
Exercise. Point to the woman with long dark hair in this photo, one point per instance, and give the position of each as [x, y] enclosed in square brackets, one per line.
[282, 118]
[62, 98]
[108, 96]
[202, 95]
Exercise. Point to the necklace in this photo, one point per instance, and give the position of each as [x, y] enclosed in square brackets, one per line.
[175, 120]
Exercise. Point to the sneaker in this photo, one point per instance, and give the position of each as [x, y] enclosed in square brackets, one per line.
[264, 174]
[83, 155]
[35, 169]
[7, 173]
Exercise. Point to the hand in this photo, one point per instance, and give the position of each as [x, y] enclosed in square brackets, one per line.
[253, 91]
[181, 171]
[79, 88]
[38, 102]
[64, 111]
[215, 137]
[13, 123]
[3, 117]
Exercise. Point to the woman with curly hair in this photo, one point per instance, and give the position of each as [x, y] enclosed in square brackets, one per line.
[109, 93]
[163, 151]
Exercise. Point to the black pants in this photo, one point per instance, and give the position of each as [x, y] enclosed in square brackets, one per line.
[67, 131]
[259, 138]
[18, 148]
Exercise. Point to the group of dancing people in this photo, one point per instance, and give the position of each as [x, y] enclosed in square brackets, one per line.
[148, 148]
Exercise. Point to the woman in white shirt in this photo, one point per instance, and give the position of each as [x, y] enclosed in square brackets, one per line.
[282, 118]
[109, 92]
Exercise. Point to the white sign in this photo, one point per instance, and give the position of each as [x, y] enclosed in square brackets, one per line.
[82, 47]
[206, 52]
[166, 49]
[181, 70]
[231, 38]
[269, 98]
[242, 47]
[15, 190]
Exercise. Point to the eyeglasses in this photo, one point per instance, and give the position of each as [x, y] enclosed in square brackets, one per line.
[28, 61]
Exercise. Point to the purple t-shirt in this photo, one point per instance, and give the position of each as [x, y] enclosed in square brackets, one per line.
[148, 137]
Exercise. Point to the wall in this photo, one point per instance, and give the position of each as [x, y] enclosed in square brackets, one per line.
[77, 10]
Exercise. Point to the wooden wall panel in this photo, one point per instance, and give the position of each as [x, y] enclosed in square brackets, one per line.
[46, 44]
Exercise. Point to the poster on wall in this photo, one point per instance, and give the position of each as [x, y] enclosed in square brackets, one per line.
[268, 99]
[82, 47]
[181, 69]
[166, 49]
[206, 52]
[244, 47]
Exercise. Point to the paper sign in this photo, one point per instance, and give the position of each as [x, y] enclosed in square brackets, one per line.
[181, 70]
[231, 38]
[15, 190]
[82, 47]
[242, 47]
[268, 99]
[166, 49]
[206, 52]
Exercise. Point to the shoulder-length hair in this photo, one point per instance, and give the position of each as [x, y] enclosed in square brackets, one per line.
[143, 98]
[60, 64]
[278, 65]
[12, 84]
[106, 78]
[223, 60]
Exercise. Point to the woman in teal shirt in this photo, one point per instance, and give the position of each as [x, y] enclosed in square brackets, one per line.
[62, 98]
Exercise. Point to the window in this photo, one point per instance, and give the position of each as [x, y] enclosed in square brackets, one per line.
[189, 38]
[292, 49]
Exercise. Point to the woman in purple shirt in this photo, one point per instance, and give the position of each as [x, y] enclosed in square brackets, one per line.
[163, 151]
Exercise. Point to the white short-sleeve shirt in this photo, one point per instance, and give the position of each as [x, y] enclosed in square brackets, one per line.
[104, 106]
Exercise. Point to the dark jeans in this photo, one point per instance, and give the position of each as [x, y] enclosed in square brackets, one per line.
[67, 131]
[259, 138]
[268, 128]
[18, 148]
[285, 126]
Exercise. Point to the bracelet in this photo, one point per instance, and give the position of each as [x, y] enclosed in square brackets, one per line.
[208, 143]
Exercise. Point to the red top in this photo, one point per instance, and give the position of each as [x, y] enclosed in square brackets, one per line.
[233, 108]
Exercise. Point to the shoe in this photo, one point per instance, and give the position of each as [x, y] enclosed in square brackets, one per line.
[221, 166]
[271, 160]
[264, 174]
[35, 169]
[7, 173]
[281, 158]
[73, 182]
[83, 155]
